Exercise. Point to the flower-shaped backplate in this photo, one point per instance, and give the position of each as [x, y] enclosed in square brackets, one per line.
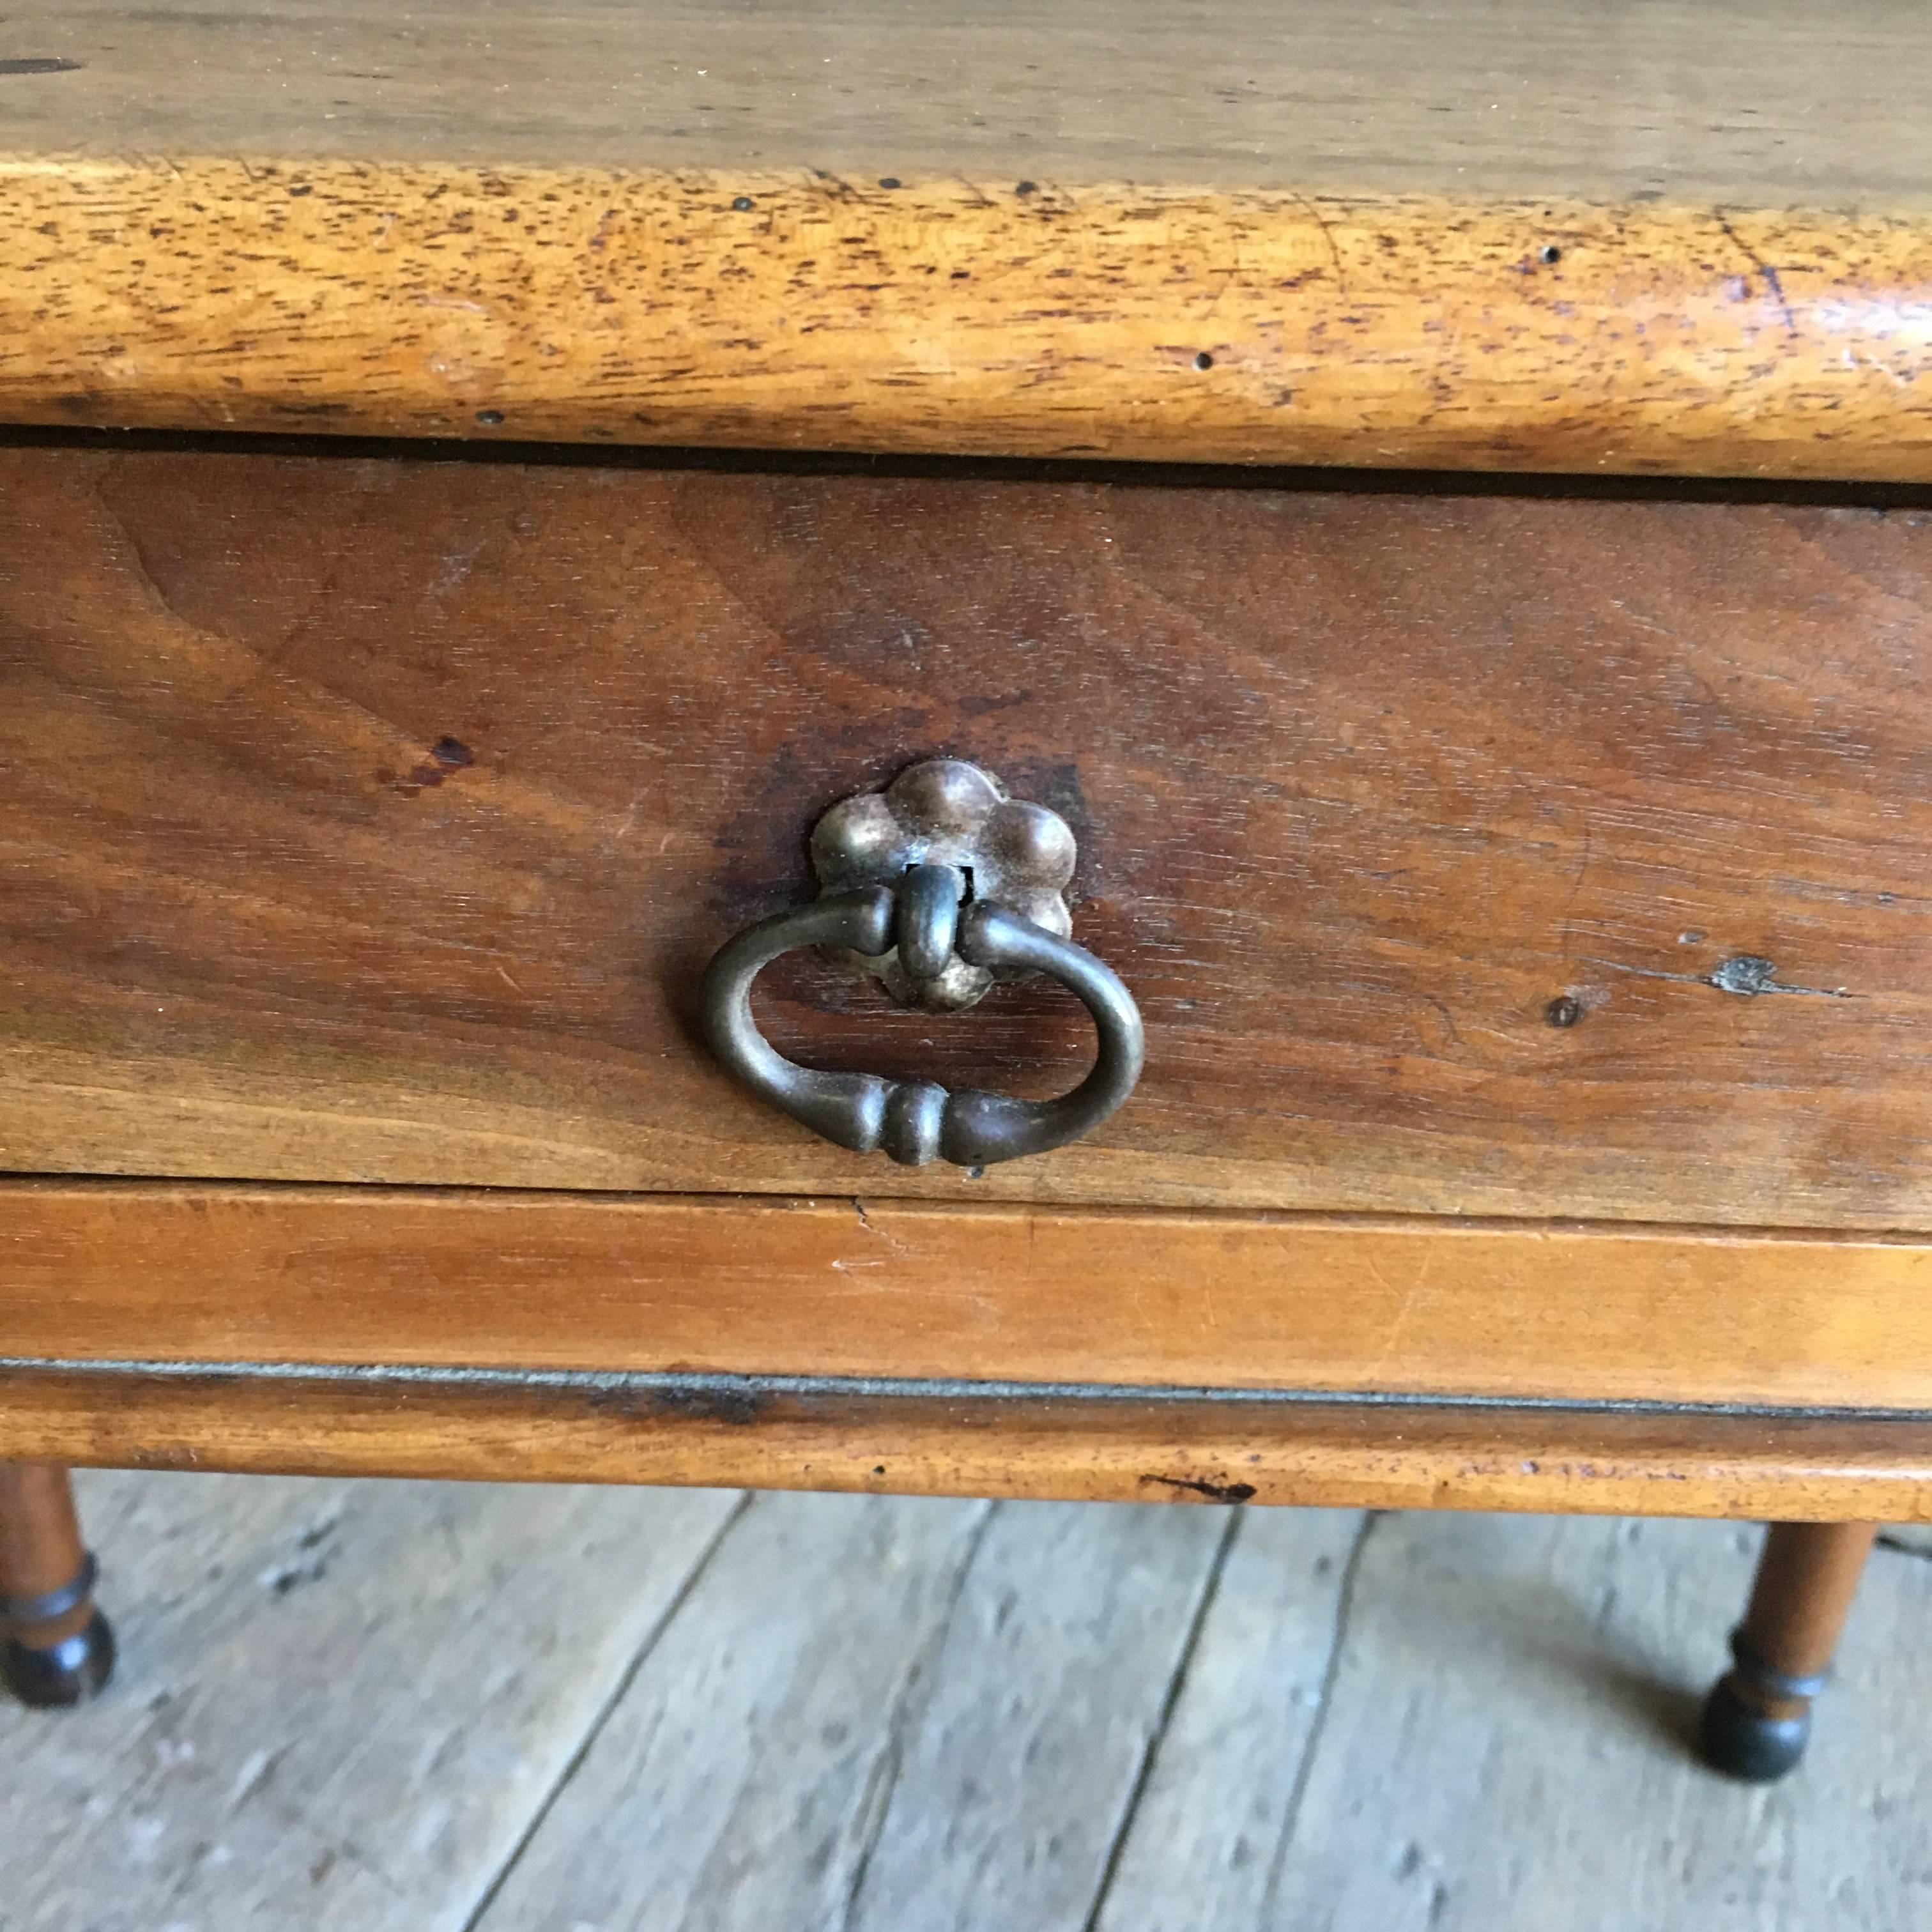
[946, 812]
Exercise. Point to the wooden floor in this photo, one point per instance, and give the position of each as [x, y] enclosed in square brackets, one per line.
[419, 1706]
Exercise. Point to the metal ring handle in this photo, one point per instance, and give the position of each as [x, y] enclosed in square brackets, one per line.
[916, 1120]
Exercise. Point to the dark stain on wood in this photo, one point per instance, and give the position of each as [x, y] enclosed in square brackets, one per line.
[446, 756]
[1199, 1485]
[739, 1404]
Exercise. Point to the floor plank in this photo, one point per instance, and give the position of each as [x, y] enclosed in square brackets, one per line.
[933, 1720]
[338, 1702]
[1503, 1749]
[1047, 1696]
[1223, 1781]
[736, 1782]
[403, 1705]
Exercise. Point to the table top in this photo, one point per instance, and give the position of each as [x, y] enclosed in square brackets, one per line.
[1759, 103]
[1692, 237]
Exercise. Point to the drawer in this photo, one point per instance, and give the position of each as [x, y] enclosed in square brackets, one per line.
[373, 819]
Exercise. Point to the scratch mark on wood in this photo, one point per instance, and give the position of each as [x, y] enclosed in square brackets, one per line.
[1746, 974]
[1764, 268]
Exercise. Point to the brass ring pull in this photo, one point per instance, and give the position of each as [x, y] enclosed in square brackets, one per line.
[914, 1120]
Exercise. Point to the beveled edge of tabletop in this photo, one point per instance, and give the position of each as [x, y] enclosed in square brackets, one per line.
[795, 309]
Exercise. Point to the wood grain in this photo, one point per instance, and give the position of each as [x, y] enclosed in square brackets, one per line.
[374, 820]
[877, 1721]
[378, 1697]
[1082, 1622]
[1198, 1449]
[338, 1702]
[1688, 238]
[773, 309]
[854, 1289]
[1500, 1678]
[41, 1551]
[1808, 1578]
[739, 1778]
[1242, 1731]
[1757, 102]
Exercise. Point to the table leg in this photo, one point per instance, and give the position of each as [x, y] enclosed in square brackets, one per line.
[58, 1648]
[1758, 1716]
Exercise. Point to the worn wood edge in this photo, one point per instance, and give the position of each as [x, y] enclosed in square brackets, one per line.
[797, 309]
[1111, 1446]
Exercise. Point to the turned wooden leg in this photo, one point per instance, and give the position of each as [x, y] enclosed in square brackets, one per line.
[58, 1648]
[1758, 1716]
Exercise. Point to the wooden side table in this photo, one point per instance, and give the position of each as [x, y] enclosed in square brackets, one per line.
[1384, 564]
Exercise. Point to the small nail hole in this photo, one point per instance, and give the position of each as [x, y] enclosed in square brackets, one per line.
[490, 417]
[1564, 1011]
[1550, 253]
[743, 205]
[1204, 360]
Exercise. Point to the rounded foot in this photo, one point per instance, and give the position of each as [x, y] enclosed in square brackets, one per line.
[68, 1673]
[1744, 1743]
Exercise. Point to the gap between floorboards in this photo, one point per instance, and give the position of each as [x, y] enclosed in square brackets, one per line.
[473, 1919]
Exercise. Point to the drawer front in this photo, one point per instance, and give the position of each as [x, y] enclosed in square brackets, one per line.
[374, 820]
